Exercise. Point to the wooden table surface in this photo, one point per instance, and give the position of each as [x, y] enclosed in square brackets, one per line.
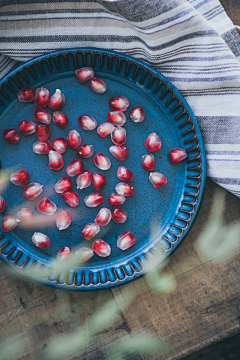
[203, 308]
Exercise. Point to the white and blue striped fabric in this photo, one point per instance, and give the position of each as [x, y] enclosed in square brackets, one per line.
[192, 42]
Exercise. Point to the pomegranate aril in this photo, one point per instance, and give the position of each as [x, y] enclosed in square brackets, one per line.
[137, 114]
[116, 118]
[125, 240]
[84, 180]
[90, 230]
[101, 248]
[26, 127]
[59, 144]
[85, 151]
[60, 119]
[98, 181]
[176, 155]
[41, 240]
[63, 219]
[63, 184]
[97, 85]
[124, 189]
[9, 223]
[46, 206]
[84, 254]
[11, 136]
[20, 177]
[119, 152]
[42, 147]
[75, 167]
[119, 215]
[119, 103]
[84, 74]
[94, 199]
[105, 129]
[42, 97]
[70, 197]
[103, 217]
[87, 122]
[42, 131]
[102, 161]
[26, 216]
[2, 204]
[153, 142]
[118, 136]
[116, 199]
[74, 139]
[157, 179]
[57, 100]
[33, 190]
[26, 94]
[42, 116]
[55, 160]
[124, 174]
[148, 162]
[64, 253]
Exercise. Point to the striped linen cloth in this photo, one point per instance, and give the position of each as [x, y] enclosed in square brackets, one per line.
[193, 43]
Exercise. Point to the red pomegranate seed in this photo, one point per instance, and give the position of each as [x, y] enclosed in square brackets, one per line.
[42, 131]
[41, 240]
[42, 147]
[46, 206]
[94, 199]
[124, 174]
[103, 217]
[157, 179]
[70, 197]
[42, 97]
[119, 103]
[42, 116]
[85, 151]
[102, 161]
[118, 136]
[87, 122]
[137, 114]
[26, 127]
[98, 181]
[148, 162]
[74, 139]
[63, 184]
[119, 152]
[153, 142]
[63, 219]
[2, 204]
[176, 155]
[116, 199]
[9, 223]
[97, 85]
[60, 119]
[124, 189]
[33, 190]
[90, 230]
[84, 74]
[105, 129]
[64, 253]
[55, 160]
[20, 177]
[57, 100]
[125, 240]
[11, 136]
[59, 144]
[26, 94]
[84, 254]
[101, 248]
[116, 118]
[84, 180]
[119, 215]
[75, 167]
[26, 216]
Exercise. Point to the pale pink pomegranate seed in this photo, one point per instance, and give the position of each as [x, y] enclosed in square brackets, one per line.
[85, 151]
[98, 181]
[90, 230]
[137, 114]
[102, 161]
[46, 206]
[9, 223]
[84, 74]
[84, 180]
[148, 162]
[125, 240]
[63, 219]
[2, 204]
[11, 136]
[55, 160]
[74, 139]
[60, 119]
[20, 177]
[33, 190]
[26, 94]
[103, 217]
[157, 179]
[116, 118]
[64, 253]
[105, 129]
[26, 216]
[116, 199]
[176, 155]
[59, 144]
[124, 174]
[101, 248]
[153, 142]
[63, 184]
[87, 122]
[75, 167]
[26, 127]
[119, 152]
[119, 215]
[42, 97]
[42, 131]
[97, 85]
[70, 197]
[57, 100]
[42, 147]
[94, 199]
[42, 116]
[84, 254]
[118, 136]
[124, 189]
[41, 240]
[119, 103]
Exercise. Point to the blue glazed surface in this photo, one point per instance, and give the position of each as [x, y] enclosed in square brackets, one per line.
[171, 209]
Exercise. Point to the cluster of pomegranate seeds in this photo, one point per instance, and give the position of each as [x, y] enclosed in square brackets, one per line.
[90, 230]
[60, 119]
[63, 219]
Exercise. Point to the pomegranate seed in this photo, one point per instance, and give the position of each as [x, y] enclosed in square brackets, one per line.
[63, 219]
[59, 144]
[137, 114]
[119, 215]
[84, 254]
[98, 181]
[42, 116]
[90, 230]
[148, 162]
[157, 179]
[33, 190]
[46, 206]
[57, 100]
[97, 85]
[176, 155]
[119, 103]
[2, 204]
[116, 199]
[102, 161]
[125, 240]
[101, 248]
[42, 131]
[85, 151]
[41, 240]
[84, 180]
[118, 136]
[103, 217]
[84, 74]
[20, 177]
[119, 152]
[63, 184]
[75, 167]
[105, 129]
[71, 198]
[60, 119]
[64, 253]
[26, 94]
[42, 147]
[87, 122]
[124, 174]
[116, 118]
[9, 223]
[26, 216]
[74, 139]
[124, 189]
[153, 142]
[26, 127]
[94, 199]
[55, 160]
[42, 97]
[10, 135]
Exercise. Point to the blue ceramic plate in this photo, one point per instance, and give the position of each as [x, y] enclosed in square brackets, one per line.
[170, 210]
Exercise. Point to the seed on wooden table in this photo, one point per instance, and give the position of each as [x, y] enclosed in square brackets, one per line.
[94, 199]
[153, 142]
[85, 151]
[84, 180]
[101, 248]
[42, 147]
[65, 183]
[42, 116]
[90, 230]
[57, 100]
[33, 190]
[119, 152]
[42, 131]
[74, 139]
[26, 127]
[26, 216]
[59, 144]
[103, 217]
[157, 179]
[20, 177]
[176, 155]
[84, 74]
[9, 223]
[125, 240]
[46, 206]
[11, 136]
[119, 215]
[55, 160]
[41, 240]
[63, 219]
[42, 97]
[70, 197]
[97, 85]
[26, 94]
